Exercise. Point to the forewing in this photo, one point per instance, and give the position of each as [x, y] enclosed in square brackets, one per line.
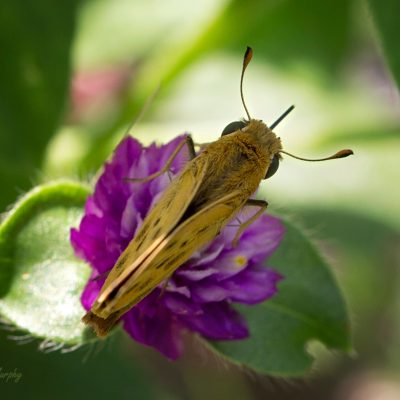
[173, 251]
[161, 220]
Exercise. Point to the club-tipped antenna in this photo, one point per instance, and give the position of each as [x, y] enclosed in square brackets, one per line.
[339, 154]
[284, 115]
[247, 58]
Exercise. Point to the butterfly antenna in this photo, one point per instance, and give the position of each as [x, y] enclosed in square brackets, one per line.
[246, 60]
[339, 154]
[143, 110]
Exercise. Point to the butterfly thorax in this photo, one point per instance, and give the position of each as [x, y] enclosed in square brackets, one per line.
[237, 161]
[265, 141]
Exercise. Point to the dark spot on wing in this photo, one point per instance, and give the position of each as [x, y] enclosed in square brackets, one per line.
[170, 245]
[171, 261]
[144, 284]
[140, 237]
[202, 229]
[169, 202]
[157, 232]
[134, 286]
[140, 243]
[121, 260]
[184, 243]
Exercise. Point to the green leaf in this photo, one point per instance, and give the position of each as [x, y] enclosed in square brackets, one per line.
[364, 270]
[40, 278]
[42, 289]
[386, 15]
[309, 306]
[35, 39]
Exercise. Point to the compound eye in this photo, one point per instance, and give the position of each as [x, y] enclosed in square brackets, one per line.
[273, 167]
[233, 127]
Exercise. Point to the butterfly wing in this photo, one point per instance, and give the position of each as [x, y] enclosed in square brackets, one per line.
[161, 220]
[172, 252]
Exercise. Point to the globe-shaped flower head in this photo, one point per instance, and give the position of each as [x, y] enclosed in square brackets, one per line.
[199, 296]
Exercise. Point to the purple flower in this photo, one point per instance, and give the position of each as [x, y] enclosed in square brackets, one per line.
[199, 295]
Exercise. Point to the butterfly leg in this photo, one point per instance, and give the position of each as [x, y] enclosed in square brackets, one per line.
[238, 224]
[192, 154]
[164, 287]
[262, 204]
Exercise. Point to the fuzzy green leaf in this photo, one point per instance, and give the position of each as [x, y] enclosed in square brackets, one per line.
[308, 307]
[40, 278]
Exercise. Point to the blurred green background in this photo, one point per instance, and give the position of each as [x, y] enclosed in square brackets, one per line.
[75, 74]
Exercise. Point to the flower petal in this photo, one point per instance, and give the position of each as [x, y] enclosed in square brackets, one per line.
[218, 321]
[159, 329]
[181, 305]
[231, 262]
[262, 237]
[129, 219]
[91, 291]
[127, 153]
[193, 274]
[208, 291]
[252, 285]
[208, 254]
